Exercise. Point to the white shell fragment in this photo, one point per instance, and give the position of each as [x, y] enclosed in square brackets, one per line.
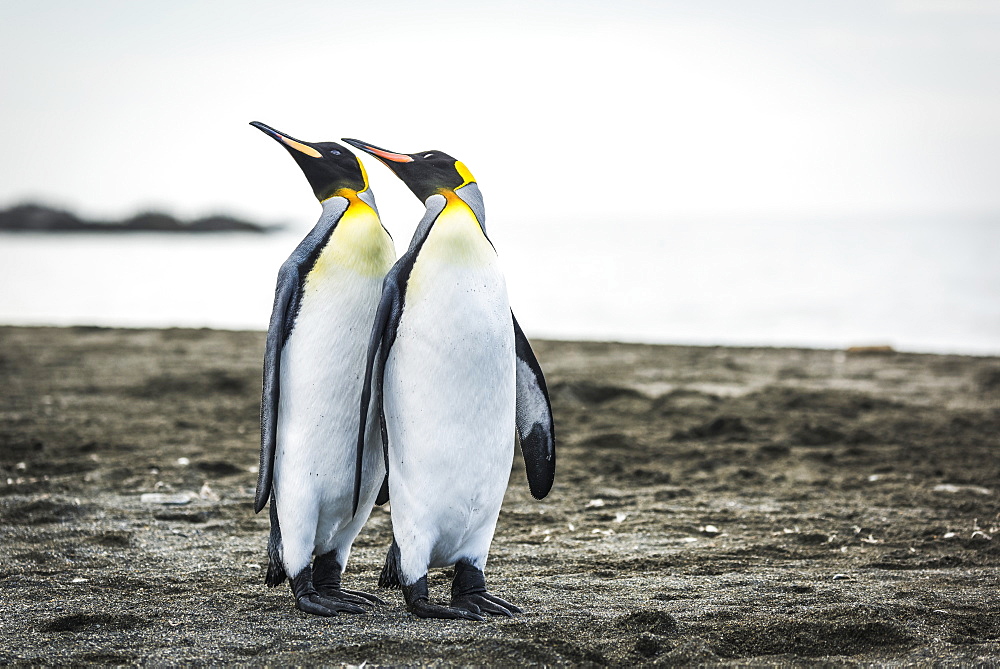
[165, 498]
[951, 487]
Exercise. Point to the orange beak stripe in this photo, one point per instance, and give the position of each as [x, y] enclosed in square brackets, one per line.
[299, 146]
[389, 155]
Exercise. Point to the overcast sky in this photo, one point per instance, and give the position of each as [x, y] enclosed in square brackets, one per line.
[562, 110]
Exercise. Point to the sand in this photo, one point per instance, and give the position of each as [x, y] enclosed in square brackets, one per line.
[711, 505]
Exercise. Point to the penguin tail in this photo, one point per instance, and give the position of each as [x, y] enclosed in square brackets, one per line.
[383, 492]
[275, 569]
[390, 572]
[275, 573]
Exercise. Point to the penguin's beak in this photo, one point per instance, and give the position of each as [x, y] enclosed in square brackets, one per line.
[381, 154]
[289, 142]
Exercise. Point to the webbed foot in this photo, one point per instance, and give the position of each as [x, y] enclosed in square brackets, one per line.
[327, 572]
[468, 592]
[485, 603]
[417, 604]
[318, 605]
[309, 600]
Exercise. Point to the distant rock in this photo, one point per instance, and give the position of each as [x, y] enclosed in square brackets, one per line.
[33, 217]
[224, 223]
[39, 218]
[152, 221]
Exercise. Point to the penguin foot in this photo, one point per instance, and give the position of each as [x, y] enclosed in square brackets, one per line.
[308, 599]
[417, 604]
[326, 573]
[319, 605]
[485, 603]
[353, 596]
[424, 609]
[468, 592]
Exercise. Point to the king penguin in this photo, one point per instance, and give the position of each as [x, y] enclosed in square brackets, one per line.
[455, 383]
[326, 298]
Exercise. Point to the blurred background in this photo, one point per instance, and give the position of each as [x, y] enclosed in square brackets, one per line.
[778, 172]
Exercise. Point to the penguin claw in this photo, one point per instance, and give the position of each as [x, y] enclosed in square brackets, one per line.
[485, 603]
[503, 603]
[306, 605]
[319, 605]
[366, 596]
[344, 596]
[423, 609]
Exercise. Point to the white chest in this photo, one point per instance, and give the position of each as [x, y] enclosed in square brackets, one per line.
[456, 318]
[322, 363]
[450, 385]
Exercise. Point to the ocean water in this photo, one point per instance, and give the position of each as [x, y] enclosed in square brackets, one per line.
[915, 283]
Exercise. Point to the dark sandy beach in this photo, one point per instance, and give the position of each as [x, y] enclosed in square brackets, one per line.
[711, 505]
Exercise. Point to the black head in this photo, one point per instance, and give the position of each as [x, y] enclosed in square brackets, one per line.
[328, 166]
[425, 173]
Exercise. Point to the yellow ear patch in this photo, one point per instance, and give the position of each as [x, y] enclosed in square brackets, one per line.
[302, 148]
[364, 174]
[464, 172]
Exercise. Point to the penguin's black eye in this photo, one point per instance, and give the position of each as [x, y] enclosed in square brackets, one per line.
[334, 152]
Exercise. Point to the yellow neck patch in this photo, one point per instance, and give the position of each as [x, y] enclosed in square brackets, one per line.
[456, 237]
[455, 242]
[359, 244]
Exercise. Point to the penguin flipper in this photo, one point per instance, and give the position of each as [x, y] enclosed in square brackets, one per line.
[535, 427]
[382, 336]
[286, 296]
